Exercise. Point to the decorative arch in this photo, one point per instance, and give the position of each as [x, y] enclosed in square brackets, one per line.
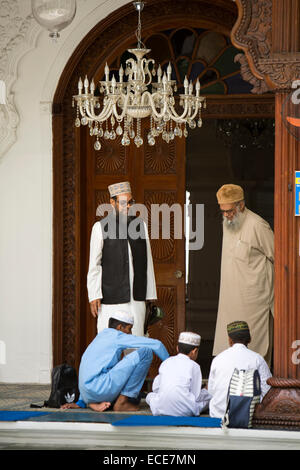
[104, 43]
[197, 53]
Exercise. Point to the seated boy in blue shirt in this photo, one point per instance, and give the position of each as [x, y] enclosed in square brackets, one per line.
[105, 377]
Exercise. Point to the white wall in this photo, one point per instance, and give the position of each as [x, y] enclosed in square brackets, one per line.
[31, 71]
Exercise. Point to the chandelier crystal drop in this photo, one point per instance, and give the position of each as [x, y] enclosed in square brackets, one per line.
[133, 97]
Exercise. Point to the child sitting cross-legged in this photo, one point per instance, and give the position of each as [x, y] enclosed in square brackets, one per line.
[177, 388]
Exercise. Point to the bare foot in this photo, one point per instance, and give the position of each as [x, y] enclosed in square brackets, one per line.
[100, 406]
[67, 406]
[122, 404]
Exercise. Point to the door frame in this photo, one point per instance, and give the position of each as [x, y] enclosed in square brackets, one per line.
[109, 37]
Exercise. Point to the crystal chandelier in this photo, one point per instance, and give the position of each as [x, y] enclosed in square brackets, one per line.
[128, 100]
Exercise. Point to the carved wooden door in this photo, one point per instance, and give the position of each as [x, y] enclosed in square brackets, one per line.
[157, 176]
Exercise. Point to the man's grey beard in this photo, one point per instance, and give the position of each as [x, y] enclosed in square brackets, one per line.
[236, 223]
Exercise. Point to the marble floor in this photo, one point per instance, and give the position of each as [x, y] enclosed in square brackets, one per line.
[15, 396]
[20, 396]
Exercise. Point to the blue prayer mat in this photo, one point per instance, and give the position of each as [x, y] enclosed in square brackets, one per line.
[81, 417]
[116, 419]
[19, 415]
[148, 420]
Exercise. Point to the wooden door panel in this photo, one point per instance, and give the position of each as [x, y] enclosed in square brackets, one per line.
[162, 181]
[111, 159]
[166, 329]
[159, 159]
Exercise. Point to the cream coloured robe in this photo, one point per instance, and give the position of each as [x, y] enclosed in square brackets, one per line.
[247, 287]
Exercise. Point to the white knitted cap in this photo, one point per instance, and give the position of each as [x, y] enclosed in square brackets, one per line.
[187, 337]
[124, 316]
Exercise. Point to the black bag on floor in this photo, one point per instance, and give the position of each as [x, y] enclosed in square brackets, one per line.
[64, 387]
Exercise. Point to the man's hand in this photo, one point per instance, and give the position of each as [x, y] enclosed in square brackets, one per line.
[95, 305]
[68, 406]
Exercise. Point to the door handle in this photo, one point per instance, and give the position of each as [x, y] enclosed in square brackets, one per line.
[178, 274]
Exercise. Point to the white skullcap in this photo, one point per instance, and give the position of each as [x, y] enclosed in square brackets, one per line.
[187, 337]
[124, 316]
[119, 188]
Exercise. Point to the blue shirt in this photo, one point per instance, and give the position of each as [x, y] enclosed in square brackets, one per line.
[105, 351]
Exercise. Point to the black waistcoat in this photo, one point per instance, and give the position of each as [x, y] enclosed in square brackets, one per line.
[115, 260]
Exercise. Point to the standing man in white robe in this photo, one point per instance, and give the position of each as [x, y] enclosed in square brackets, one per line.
[247, 273]
[177, 389]
[237, 356]
[121, 272]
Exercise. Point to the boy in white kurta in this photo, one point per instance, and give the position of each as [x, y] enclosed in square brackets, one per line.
[237, 356]
[177, 388]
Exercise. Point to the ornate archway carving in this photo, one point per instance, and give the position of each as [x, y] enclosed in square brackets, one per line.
[258, 33]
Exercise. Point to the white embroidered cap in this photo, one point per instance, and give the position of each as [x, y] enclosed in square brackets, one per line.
[119, 188]
[124, 316]
[187, 337]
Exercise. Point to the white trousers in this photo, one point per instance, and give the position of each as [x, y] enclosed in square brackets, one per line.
[136, 308]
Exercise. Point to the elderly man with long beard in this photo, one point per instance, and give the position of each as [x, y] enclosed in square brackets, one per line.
[247, 273]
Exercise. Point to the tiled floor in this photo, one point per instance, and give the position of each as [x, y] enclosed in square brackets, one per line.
[21, 396]
[88, 434]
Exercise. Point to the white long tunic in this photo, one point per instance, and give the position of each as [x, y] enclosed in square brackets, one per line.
[247, 282]
[177, 388]
[222, 367]
[94, 284]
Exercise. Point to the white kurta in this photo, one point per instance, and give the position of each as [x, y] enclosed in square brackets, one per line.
[94, 284]
[177, 388]
[222, 367]
[247, 284]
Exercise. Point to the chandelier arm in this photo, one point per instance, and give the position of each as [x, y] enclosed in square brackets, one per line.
[87, 111]
[124, 111]
[105, 113]
[177, 117]
[151, 101]
[141, 68]
[84, 112]
[179, 120]
[195, 112]
[146, 71]
[103, 117]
